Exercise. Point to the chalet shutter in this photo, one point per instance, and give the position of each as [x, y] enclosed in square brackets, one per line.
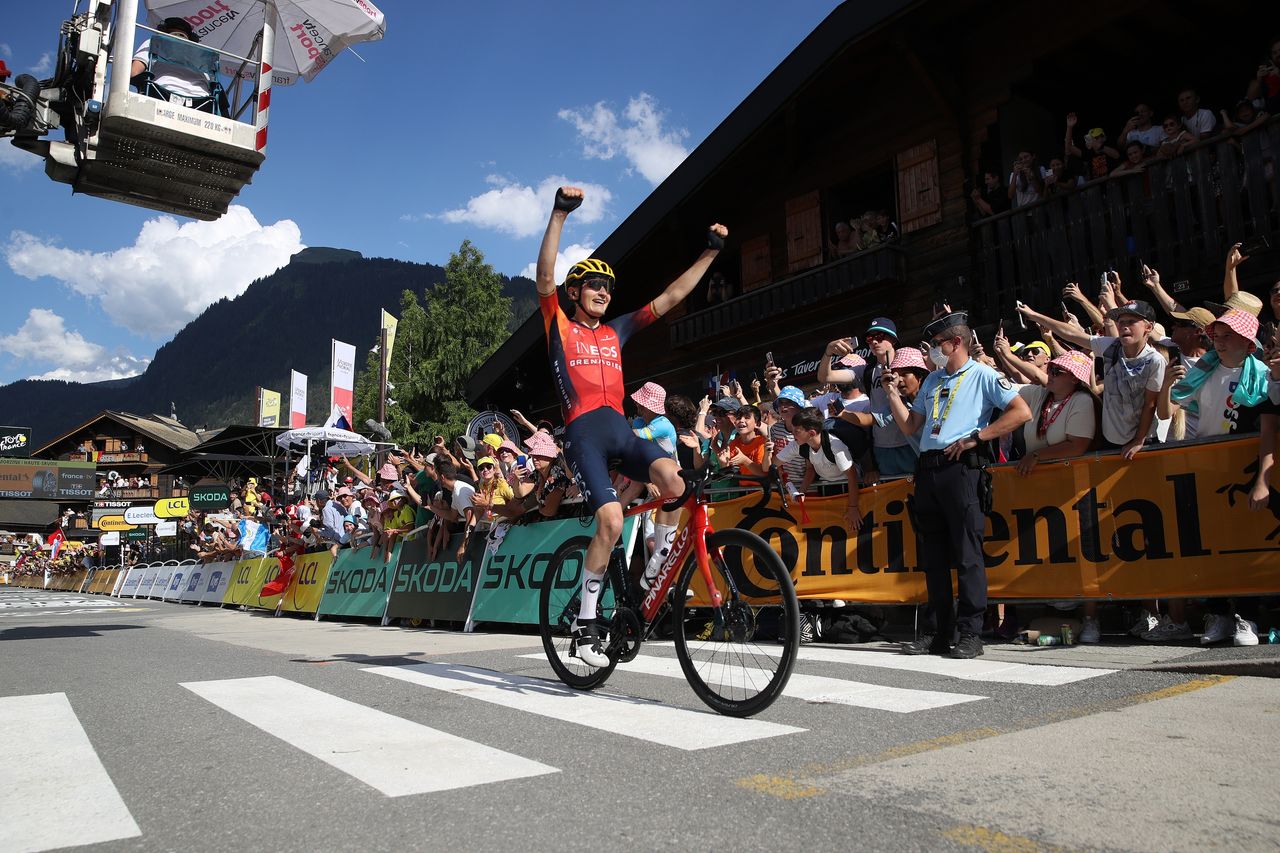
[919, 193]
[804, 232]
[757, 263]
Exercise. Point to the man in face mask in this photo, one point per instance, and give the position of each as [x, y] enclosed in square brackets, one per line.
[952, 414]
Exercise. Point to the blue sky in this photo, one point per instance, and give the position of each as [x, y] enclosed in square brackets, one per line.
[455, 126]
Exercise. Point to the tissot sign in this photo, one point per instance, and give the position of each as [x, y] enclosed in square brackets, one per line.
[15, 441]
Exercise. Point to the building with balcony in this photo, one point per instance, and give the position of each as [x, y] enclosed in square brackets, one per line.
[901, 107]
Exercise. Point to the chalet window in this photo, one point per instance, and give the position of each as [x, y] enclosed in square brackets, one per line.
[804, 232]
[919, 193]
[757, 263]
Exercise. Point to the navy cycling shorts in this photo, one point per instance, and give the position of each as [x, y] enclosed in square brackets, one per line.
[592, 439]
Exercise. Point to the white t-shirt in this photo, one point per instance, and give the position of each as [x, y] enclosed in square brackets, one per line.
[1125, 382]
[463, 492]
[1151, 137]
[174, 78]
[1074, 421]
[1201, 123]
[1216, 417]
[826, 470]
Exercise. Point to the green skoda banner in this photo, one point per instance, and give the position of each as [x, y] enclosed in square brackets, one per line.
[359, 583]
[508, 585]
[439, 588]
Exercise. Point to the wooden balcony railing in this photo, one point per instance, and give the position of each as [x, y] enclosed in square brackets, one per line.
[1179, 216]
[883, 263]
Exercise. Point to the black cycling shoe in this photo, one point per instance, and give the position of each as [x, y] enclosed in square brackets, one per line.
[970, 646]
[928, 644]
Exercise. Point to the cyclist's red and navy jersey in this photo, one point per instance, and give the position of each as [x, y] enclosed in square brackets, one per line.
[586, 363]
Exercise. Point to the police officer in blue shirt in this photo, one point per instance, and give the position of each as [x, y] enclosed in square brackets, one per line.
[952, 415]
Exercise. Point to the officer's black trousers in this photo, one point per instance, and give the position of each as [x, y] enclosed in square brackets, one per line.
[950, 530]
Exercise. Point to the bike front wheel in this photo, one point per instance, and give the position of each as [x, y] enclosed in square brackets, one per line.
[558, 603]
[737, 656]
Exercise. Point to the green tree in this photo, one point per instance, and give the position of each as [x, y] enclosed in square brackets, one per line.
[440, 342]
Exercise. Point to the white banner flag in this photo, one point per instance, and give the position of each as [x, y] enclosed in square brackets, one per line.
[343, 382]
[297, 400]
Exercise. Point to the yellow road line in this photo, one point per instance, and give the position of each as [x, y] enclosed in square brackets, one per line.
[994, 841]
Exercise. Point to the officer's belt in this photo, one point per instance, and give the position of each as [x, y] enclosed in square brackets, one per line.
[931, 459]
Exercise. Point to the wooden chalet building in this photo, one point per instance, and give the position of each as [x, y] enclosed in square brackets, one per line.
[901, 106]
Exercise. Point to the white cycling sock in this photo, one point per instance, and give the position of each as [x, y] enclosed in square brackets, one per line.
[663, 537]
[592, 583]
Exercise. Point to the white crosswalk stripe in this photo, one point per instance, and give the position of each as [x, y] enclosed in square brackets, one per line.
[817, 689]
[996, 672]
[48, 759]
[391, 754]
[624, 715]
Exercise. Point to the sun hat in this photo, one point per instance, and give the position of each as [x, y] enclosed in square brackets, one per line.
[793, 395]
[388, 472]
[1239, 300]
[1158, 335]
[485, 460]
[1241, 322]
[727, 404]
[1202, 317]
[509, 445]
[852, 360]
[542, 444]
[468, 445]
[493, 440]
[1077, 364]
[396, 493]
[431, 459]
[651, 396]
[344, 492]
[908, 358]
[1096, 133]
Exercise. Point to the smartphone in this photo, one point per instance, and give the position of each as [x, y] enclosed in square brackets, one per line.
[521, 460]
[1017, 303]
[1178, 286]
[1175, 355]
[1066, 315]
[768, 359]
[1102, 280]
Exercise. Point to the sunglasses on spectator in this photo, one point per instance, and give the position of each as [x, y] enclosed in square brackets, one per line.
[877, 337]
[485, 467]
[1028, 354]
[937, 342]
[1054, 370]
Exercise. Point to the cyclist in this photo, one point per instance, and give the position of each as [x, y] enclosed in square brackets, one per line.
[586, 366]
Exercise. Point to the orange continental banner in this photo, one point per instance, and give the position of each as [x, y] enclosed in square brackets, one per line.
[1174, 522]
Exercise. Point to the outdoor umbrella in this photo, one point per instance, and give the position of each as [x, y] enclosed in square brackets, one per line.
[309, 33]
[336, 442]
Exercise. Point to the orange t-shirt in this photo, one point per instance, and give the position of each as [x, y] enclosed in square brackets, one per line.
[753, 449]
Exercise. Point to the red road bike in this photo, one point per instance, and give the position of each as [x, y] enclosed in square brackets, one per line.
[729, 598]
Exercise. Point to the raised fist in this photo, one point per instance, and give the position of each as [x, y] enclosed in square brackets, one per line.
[568, 199]
[715, 236]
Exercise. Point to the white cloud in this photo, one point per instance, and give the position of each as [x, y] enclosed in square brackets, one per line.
[42, 67]
[17, 160]
[6, 52]
[44, 337]
[564, 259]
[172, 272]
[521, 210]
[639, 136]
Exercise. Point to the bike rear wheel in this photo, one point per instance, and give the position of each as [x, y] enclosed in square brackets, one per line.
[558, 603]
[738, 656]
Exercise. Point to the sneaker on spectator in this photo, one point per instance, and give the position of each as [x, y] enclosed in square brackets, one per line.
[808, 628]
[1168, 631]
[1090, 631]
[1246, 633]
[1217, 627]
[1146, 622]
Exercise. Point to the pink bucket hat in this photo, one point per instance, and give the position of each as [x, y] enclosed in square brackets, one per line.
[651, 396]
[1077, 364]
[852, 360]
[508, 444]
[388, 472]
[908, 357]
[1241, 322]
[541, 444]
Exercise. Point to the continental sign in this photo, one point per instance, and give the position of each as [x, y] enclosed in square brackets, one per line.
[46, 479]
[1174, 522]
[113, 523]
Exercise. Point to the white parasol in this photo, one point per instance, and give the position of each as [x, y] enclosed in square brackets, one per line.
[309, 33]
[336, 442]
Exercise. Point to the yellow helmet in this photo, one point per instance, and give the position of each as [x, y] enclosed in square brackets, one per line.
[590, 268]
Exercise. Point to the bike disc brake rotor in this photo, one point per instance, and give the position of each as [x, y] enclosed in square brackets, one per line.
[735, 622]
[626, 632]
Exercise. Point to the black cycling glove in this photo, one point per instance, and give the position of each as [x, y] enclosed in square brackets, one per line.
[714, 240]
[563, 202]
